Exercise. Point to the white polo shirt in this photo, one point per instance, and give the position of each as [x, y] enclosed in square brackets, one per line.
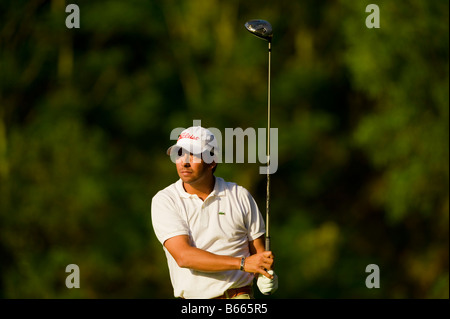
[223, 224]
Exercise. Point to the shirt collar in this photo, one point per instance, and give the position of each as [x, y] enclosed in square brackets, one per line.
[219, 188]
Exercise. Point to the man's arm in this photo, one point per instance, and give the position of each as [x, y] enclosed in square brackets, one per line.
[257, 246]
[190, 257]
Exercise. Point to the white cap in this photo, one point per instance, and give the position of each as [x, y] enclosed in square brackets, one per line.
[197, 140]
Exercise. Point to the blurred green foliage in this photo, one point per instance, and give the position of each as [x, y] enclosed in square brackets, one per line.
[363, 119]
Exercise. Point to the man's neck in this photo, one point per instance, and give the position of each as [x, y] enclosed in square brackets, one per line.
[203, 189]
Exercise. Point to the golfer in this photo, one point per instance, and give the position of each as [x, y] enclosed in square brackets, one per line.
[211, 230]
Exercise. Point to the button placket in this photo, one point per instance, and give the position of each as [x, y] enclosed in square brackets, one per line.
[204, 216]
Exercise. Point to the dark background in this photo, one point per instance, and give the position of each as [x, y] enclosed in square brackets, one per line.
[362, 116]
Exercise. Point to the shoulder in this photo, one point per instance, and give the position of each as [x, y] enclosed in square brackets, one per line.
[166, 203]
[168, 194]
[231, 188]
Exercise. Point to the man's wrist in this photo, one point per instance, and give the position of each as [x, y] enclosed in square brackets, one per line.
[242, 264]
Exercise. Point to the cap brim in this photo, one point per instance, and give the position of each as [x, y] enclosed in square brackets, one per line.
[206, 156]
[175, 148]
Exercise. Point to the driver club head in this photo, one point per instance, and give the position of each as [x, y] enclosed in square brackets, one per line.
[260, 28]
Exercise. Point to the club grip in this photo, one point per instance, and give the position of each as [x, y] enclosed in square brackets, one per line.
[267, 249]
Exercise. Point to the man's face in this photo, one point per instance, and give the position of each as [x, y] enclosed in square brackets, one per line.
[191, 168]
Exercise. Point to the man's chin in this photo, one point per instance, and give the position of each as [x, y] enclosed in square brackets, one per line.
[186, 179]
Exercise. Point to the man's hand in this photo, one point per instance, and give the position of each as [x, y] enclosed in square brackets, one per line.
[258, 263]
[267, 286]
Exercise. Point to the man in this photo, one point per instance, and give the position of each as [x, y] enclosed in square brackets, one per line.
[211, 230]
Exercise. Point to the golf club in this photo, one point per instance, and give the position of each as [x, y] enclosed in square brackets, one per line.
[263, 30]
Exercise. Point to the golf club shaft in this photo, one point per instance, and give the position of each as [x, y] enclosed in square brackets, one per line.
[268, 155]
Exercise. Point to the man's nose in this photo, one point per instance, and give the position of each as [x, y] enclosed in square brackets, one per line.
[185, 160]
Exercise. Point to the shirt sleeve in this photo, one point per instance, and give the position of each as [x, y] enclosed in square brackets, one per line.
[253, 219]
[166, 218]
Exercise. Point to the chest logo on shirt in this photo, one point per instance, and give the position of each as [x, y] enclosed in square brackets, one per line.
[221, 213]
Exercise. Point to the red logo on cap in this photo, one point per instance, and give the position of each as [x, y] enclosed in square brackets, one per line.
[187, 135]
